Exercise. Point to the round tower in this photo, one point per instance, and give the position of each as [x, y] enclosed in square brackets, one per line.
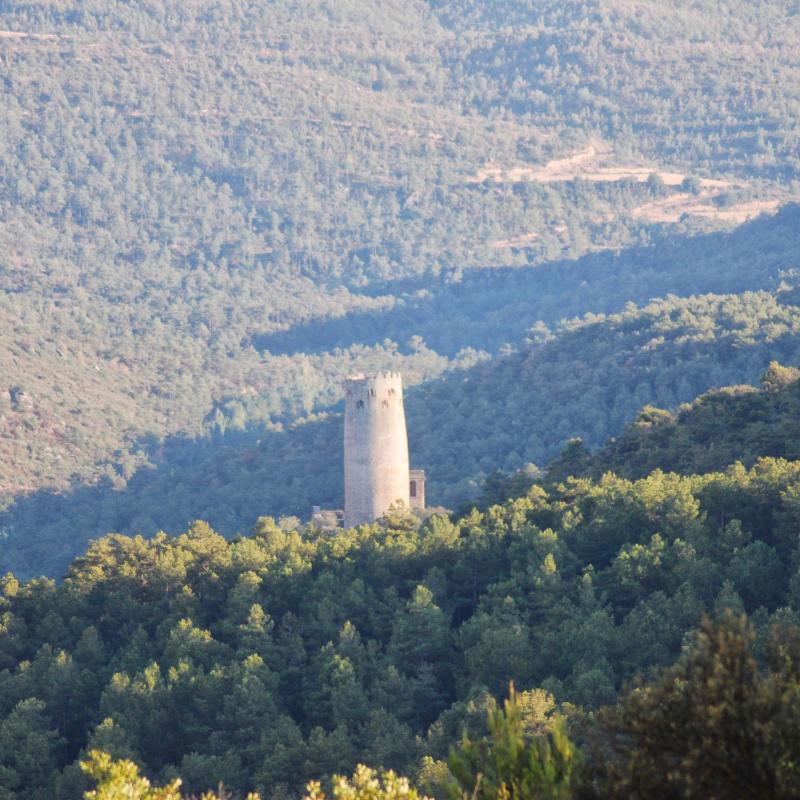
[376, 471]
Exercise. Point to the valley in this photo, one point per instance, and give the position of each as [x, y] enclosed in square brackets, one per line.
[574, 228]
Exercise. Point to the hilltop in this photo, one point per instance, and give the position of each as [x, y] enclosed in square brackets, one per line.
[733, 423]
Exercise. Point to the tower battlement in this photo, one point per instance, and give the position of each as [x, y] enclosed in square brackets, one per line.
[366, 378]
[385, 388]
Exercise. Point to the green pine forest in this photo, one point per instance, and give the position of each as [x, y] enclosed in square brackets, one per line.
[290, 654]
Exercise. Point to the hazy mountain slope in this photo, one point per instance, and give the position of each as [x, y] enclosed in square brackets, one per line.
[703, 83]
[177, 179]
[486, 309]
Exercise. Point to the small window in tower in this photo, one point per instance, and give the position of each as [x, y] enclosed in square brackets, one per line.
[413, 489]
[372, 392]
[391, 392]
[385, 403]
[359, 404]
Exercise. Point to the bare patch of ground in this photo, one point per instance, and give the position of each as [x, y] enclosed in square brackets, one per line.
[595, 163]
[25, 35]
[523, 240]
[671, 209]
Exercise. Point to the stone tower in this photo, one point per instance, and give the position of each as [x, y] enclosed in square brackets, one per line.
[376, 470]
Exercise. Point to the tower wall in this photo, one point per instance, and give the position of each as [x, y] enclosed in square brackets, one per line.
[375, 447]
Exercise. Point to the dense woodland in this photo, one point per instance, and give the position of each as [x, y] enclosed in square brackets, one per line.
[183, 185]
[706, 727]
[210, 212]
[291, 654]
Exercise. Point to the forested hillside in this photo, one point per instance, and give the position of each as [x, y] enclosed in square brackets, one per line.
[588, 378]
[733, 424]
[585, 377]
[291, 654]
[736, 423]
[180, 182]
